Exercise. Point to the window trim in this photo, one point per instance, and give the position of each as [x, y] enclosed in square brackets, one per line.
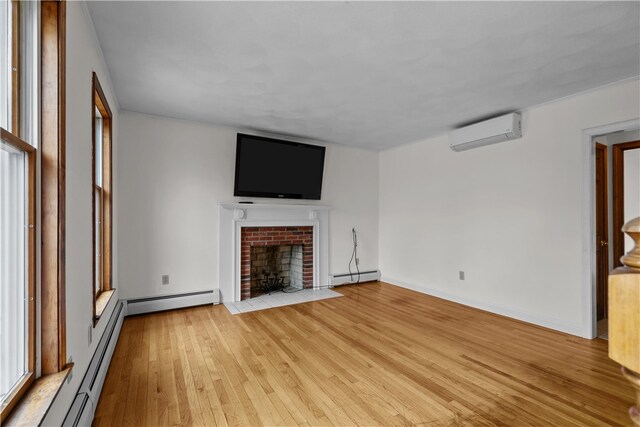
[99, 101]
[25, 382]
[53, 186]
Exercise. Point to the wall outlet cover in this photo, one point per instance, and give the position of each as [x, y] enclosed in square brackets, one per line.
[165, 279]
[461, 275]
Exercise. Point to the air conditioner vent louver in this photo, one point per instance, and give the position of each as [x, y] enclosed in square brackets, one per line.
[493, 131]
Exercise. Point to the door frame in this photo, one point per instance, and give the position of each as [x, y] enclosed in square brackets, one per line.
[605, 233]
[618, 197]
[588, 221]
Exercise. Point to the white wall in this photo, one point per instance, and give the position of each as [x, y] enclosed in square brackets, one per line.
[176, 172]
[83, 57]
[631, 191]
[509, 215]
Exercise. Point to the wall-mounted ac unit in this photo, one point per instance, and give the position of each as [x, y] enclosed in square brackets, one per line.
[499, 129]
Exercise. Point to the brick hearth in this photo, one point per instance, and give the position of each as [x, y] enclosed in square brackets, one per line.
[272, 236]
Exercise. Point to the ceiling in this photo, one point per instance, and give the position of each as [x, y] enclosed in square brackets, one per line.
[368, 74]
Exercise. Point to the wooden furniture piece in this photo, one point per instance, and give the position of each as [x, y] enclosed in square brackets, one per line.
[624, 315]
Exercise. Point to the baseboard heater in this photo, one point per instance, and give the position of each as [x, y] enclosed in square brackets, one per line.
[171, 302]
[348, 278]
[83, 407]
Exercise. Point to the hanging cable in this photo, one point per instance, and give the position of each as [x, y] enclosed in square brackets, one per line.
[354, 255]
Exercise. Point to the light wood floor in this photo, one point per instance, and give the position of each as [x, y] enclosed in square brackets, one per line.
[380, 355]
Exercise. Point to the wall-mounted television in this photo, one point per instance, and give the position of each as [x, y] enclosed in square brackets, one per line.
[267, 167]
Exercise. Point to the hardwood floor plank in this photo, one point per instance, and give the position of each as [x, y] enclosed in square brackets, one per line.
[379, 355]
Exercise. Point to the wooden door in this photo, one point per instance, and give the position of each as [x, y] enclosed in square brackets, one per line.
[602, 235]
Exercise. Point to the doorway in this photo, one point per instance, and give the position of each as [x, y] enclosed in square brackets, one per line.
[602, 237]
[616, 181]
[626, 194]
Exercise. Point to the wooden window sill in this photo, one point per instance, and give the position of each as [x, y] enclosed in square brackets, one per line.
[33, 407]
[101, 303]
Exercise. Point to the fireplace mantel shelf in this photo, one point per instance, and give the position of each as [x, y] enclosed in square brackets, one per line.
[271, 206]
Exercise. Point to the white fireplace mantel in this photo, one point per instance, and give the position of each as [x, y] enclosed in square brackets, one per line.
[233, 216]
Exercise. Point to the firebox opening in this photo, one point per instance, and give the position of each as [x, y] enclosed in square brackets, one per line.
[274, 268]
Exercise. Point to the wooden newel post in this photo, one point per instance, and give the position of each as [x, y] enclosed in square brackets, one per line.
[624, 315]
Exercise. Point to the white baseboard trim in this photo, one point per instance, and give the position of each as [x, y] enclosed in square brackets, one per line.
[551, 323]
[171, 302]
[347, 278]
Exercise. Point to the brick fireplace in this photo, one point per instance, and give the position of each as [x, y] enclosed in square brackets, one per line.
[310, 220]
[285, 252]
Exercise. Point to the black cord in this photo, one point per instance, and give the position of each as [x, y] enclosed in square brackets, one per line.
[355, 246]
[354, 254]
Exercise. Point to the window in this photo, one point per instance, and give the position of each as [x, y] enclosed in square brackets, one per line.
[18, 132]
[32, 126]
[17, 268]
[102, 289]
[15, 291]
[98, 200]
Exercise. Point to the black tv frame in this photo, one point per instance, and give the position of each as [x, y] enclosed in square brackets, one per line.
[238, 193]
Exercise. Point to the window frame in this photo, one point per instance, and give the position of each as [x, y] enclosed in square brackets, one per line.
[30, 197]
[15, 67]
[102, 270]
[48, 368]
[13, 138]
[52, 149]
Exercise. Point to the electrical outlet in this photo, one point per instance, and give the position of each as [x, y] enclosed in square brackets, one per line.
[461, 275]
[90, 333]
[165, 279]
[357, 261]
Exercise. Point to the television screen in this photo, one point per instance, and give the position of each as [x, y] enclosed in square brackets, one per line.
[267, 167]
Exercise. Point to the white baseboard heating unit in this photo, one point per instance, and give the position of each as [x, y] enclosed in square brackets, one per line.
[349, 278]
[83, 406]
[171, 302]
